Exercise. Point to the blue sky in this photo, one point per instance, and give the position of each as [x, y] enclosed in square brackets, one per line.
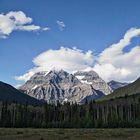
[90, 25]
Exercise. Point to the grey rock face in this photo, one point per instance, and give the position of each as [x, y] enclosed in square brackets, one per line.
[61, 86]
[115, 85]
[92, 78]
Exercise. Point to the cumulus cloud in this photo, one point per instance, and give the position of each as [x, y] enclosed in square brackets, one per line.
[69, 59]
[61, 25]
[16, 20]
[113, 63]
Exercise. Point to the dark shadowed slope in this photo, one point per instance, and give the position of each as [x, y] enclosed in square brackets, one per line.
[9, 93]
[130, 89]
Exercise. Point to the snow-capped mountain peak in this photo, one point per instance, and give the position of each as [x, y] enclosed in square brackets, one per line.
[63, 86]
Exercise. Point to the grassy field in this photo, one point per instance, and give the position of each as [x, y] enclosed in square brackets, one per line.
[69, 134]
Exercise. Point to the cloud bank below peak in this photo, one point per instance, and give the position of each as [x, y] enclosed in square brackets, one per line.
[68, 59]
[113, 63]
[16, 21]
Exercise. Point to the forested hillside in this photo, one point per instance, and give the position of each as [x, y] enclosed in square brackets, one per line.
[120, 112]
[130, 89]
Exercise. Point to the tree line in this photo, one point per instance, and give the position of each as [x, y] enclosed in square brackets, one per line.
[120, 112]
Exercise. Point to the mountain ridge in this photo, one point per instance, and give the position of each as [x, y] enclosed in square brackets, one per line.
[115, 84]
[60, 85]
[130, 89]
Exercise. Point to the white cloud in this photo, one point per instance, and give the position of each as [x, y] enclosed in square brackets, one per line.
[110, 72]
[25, 77]
[112, 64]
[16, 20]
[45, 29]
[63, 58]
[116, 50]
[28, 28]
[61, 25]
[19, 17]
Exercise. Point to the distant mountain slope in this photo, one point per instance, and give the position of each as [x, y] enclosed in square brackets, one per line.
[129, 89]
[60, 85]
[115, 85]
[9, 93]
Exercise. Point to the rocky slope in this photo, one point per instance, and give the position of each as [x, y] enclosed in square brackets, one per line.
[115, 85]
[60, 85]
[92, 78]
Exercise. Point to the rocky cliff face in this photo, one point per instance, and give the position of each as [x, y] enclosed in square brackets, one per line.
[92, 78]
[60, 85]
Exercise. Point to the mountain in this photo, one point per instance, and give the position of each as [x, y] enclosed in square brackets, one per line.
[130, 89]
[115, 85]
[60, 86]
[92, 78]
[9, 93]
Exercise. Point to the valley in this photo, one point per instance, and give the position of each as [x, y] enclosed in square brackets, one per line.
[57, 99]
[69, 70]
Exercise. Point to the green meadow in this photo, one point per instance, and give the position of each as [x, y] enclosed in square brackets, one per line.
[68, 134]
